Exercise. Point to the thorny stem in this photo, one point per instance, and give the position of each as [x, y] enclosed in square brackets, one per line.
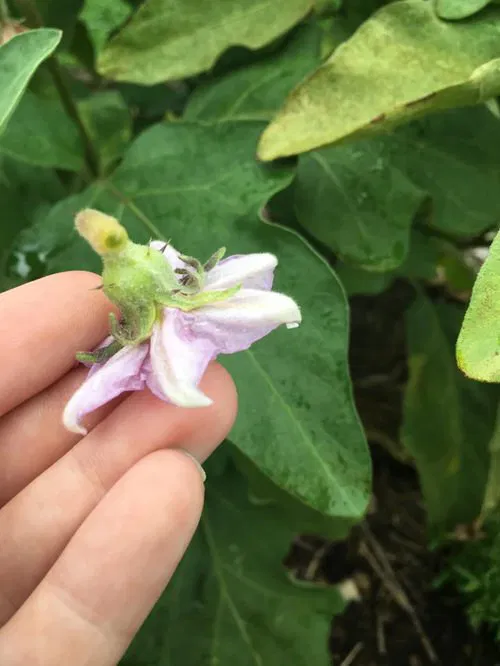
[32, 15]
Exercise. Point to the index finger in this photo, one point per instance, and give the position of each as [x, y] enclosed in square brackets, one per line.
[42, 325]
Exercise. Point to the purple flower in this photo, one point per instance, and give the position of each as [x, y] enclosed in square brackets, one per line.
[172, 362]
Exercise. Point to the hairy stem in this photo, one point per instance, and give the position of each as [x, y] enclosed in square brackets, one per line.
[32, 15]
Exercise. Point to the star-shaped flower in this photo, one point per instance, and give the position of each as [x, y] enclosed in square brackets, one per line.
[182, 343]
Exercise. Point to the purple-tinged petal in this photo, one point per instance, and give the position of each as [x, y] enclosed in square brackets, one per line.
[121, 373]
[178, 362]
[169, 252]
[236, 323]
[95, 366]
[252, 271]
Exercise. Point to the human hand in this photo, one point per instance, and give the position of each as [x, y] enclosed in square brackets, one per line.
[92, 528]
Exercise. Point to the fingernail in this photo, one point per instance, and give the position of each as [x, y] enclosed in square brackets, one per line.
[196, 462]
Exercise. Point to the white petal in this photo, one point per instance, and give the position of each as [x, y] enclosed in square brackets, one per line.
[253, 271]
[121, 373]
[178, 362]
[169, 252]
[238, 322]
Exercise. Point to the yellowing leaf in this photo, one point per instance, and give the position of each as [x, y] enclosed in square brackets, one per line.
[478, 346]
[401, 63]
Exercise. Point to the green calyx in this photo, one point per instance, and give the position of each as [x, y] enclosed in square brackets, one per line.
[141, 283]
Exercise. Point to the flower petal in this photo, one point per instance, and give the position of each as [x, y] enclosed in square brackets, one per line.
[253, 271]
[235, 324]
[95, 366]
[121, 373]
[169, 252]
[178, 362]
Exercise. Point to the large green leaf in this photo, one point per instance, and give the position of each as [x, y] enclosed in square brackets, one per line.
[360, 199]
[256, 92]
[297, 422]
[40, 133]
[26, 192]
[452, 157]
[170, 40]
[327, 7]
[401, 63]
[351, 198]
[62, 14]
[102, 17]
[459, 9]
[421, 263]
[478, 346]
[19, 58]
[448, 419]
[358, 203]
[109, 125]
[304, 398]
[232, 594]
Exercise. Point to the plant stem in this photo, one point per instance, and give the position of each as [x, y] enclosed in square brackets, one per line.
[4, 11]
[91, 157]
[32, 15]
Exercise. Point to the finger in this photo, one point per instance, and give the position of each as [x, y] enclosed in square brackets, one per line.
[32, 436]
[99, 592]
[42, 325]
[41, 519]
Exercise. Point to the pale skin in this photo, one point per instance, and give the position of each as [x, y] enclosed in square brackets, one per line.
[92, 528]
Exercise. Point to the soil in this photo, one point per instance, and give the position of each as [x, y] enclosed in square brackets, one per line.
[400, 617]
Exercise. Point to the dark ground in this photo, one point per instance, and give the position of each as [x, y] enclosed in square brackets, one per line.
[401, 619]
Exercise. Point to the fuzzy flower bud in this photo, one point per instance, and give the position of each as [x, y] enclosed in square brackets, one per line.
[105, 234]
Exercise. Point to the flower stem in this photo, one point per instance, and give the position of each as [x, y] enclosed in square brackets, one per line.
[32, 15]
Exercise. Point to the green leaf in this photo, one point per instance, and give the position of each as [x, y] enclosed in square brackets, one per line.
[492, 493]
[423, 257]
[19, 58]
[155, 102]
[256, 92]
[448, 420]
[26, 193]
[359, 281]
[102, 17]
[166, 40]
[427, 65]
[360, 199]
[353, 199]
[421, 263]
[459, 9]
[453, 152]
[232, 593]
[108, 123]
[62, 14]
[324, 462]
[327, 7]
[179, 181]
[478, 346]
[40, 133]
[301, 517]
